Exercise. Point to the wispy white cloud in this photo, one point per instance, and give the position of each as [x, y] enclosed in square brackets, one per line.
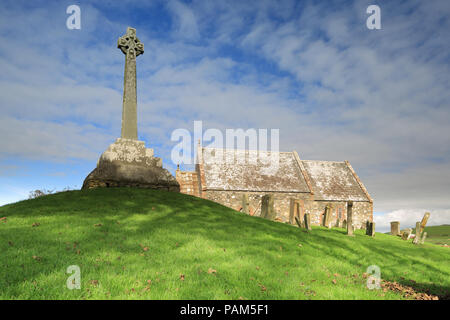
[185, 26]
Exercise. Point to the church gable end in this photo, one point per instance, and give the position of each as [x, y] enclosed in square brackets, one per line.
[333, 181]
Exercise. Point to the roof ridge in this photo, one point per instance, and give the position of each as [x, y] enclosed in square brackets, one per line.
[226, 149]
[324, 161]
[303, 171]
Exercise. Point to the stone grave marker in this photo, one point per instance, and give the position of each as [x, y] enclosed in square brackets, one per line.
[422, 239]
[267, 207]
[307, 219]
[327, 217]
[395, 228]
[417, 237]
[370, 228]
[350, 218]
[298, 222]
[245, 203]
[406, 233]
[424, 221]
[291, 210]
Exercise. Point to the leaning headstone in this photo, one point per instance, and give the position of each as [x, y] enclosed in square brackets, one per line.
[395, 228]
[298, 214]
[422, 239]
[307, 219]
[327, 217]
[350, 218]
[417, 237]
[424, 221]
[127, 162]
[298, 222]
[245, 203]
[267, 207]
[324, 217]
[291, 210]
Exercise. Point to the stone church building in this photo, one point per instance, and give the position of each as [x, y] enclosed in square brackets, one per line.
[297, 186]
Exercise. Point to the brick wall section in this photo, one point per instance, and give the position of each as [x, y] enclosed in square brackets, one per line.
[188, 181]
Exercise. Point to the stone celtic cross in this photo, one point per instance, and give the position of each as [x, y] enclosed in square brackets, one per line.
[131, 47]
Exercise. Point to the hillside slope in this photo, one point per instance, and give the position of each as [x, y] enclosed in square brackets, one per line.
[147, 244]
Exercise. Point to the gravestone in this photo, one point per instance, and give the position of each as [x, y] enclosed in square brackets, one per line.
[422, 239]
[267, 207]
[395, 228]
[338, 223]
[327, 217]
[418, 234]
[245, 203]
[344, 224]
[127, 162]
[298, 222]
[370, 228]
[350, 218]
[297, 213]
[406, 233]
[307, 219]
[291, 210]
[294, 211]
[424, 221]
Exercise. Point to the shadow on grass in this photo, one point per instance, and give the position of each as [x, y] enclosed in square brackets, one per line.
[163, 211]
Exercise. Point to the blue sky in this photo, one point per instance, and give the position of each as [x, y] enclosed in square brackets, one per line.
[335, 89]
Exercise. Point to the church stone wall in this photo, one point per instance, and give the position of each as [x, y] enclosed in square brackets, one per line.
[362, 211]
[233, 199]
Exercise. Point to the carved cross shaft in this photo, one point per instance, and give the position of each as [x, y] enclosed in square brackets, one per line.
[131, 47]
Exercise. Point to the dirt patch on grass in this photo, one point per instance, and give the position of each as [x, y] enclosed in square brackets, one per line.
[409, 292]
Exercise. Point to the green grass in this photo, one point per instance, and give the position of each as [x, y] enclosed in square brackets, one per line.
[437, 234]
[156, 235]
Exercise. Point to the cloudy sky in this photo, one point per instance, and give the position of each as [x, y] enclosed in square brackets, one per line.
[334, 88]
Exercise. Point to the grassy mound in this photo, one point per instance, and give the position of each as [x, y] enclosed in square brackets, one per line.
[147, 244]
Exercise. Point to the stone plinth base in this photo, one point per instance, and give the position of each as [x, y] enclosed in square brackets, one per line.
[127, 163]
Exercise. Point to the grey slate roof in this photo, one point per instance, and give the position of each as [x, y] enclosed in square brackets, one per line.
[333, 181]
[245, 176]
[330, 180]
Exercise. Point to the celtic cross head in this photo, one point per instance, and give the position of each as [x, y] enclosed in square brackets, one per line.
[130, 44]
